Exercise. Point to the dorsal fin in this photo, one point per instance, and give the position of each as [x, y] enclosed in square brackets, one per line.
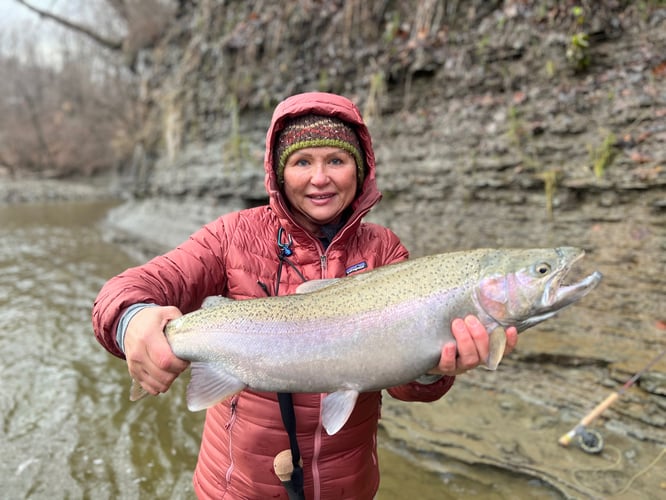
[314, 285]
[214, 300]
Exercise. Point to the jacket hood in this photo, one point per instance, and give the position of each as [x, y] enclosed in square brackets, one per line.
[320, 103]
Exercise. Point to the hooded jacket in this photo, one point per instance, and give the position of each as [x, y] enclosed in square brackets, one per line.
[237, 256]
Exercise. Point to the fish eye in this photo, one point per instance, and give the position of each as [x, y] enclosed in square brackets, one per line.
[543, 268]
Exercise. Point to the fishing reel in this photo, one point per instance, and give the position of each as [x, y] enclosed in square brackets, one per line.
[590, 441]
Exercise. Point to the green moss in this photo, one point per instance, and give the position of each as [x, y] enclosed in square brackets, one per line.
[516, 128]
[602, 156]
[551, 179]
[550, 68]
[236, 148]
[578, 51]
[376, 94]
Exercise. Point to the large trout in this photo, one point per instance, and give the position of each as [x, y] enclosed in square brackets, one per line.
[370, 331]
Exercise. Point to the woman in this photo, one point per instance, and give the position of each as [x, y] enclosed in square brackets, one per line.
[320, 175]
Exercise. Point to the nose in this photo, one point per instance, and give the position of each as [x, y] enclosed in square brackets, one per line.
[319, 174]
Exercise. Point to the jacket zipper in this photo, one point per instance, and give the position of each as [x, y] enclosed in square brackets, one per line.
[229, 428]
[324, 264]
[315, 453]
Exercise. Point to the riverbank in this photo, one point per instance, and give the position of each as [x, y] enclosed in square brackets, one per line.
[53, 190]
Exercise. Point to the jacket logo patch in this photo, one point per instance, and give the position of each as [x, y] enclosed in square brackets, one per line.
[356, 267]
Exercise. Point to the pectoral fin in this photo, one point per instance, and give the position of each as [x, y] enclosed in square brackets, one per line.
[336, 409]
[136, 391]
[209, 385]
[496, 346]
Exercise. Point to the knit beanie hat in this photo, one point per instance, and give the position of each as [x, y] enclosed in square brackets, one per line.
[317, 131]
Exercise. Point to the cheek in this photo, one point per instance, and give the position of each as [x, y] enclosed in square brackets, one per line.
[347, 181]
[292, 183]
[291, 195]
[493, 295]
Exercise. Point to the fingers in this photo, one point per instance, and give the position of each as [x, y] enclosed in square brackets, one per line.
[471, 346]
[472, 342]
[511, 339]
[448, 361]
[469, 349]
[154, 367]
[150, 360]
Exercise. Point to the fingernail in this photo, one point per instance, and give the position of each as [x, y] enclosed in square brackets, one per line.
[471, 320]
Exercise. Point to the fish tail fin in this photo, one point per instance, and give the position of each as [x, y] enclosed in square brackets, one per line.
[137, 392]
[496, 347]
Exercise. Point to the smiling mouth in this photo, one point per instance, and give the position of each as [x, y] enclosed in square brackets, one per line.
[320, 196]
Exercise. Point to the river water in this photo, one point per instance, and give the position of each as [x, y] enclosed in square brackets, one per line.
[67, 427]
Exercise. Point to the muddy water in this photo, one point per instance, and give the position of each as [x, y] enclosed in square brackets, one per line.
[67, 430]
[67, 427]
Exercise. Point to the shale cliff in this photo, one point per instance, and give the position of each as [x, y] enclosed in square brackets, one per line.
[525, 103]
[501, 123]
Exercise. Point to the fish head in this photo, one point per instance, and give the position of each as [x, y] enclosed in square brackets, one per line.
[524, 287]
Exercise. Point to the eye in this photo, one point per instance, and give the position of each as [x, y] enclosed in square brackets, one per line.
[300, 162]
[542, 268]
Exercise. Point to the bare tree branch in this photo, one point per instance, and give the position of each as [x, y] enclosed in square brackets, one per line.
[116, 45]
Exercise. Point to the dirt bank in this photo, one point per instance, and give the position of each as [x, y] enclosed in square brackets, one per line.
[44, 191]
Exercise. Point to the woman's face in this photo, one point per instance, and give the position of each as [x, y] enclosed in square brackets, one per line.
[319, 183]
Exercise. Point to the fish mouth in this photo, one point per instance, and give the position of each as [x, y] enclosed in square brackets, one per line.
[568, 294]
[557, 295]
[562, 295]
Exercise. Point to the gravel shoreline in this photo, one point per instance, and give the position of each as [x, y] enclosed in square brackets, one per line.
[52, 190]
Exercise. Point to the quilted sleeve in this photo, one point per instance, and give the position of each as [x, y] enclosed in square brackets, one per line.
[415, 391]
[182, 277]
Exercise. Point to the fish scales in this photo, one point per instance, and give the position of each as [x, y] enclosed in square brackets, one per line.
[370, 331]
[294, 333]
[306, 351]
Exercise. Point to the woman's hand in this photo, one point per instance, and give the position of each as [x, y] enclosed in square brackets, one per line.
[150, 360]
[470, 348]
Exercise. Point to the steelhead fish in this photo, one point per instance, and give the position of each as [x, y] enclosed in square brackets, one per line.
[370, 331]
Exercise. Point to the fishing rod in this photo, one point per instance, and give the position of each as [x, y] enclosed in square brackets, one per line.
[591, 441]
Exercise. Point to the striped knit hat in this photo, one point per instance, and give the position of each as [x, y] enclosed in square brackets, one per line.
[317, 131]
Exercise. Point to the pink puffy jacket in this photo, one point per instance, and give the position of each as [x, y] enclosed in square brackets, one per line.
[230, 257]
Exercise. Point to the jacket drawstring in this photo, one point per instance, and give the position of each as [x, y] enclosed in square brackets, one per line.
[285, 251]
[293, 482]
[288, 465]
